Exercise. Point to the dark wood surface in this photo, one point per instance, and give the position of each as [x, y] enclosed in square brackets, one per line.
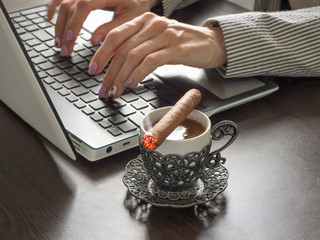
[273, 190]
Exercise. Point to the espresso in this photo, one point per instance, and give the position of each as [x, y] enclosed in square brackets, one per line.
[188, 128]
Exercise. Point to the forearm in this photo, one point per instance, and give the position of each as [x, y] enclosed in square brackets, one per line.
[278, 44]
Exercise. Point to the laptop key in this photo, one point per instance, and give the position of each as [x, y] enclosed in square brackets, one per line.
[117, 119]
[32, 16]
[80, 104]
[32, 28]
[19, 19]
[148, 96]
[56, 86]
[107, 112]
[115, 131]
[90, 83]
[46, 66]
[48, 53]
[96, 117]
[33, 54]
[78, 91]
[49, 80]
[157, 103]
[62, 78]
[71, 84]
[42, 35]
[105, 124]
[38, 60]
[140, 104]
[25, 24]
[127, 110]
[54, 71]
[44, 25]
[139, 89]
[130, 97]
[64, 92]
[98, 104]
[81, 76]
[64, 64]
[127, 127]
[89, 97]
[33, 42]
[40, 48]
[87, 110]
[116, 103]
[72, 70]
[26, 36]
[72, 98]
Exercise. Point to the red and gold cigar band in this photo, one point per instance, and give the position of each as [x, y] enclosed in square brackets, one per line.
[164, 127]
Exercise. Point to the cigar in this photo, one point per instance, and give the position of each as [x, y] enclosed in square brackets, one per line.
[164, 127]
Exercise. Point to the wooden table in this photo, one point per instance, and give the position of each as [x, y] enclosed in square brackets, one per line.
[273, 190]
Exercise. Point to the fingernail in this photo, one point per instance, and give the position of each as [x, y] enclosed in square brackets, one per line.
[98, 39]
[57, 42]
[69, 35]
[128, 82]
[102, 91]
[112, 91]
[64, 51]
[93, 68]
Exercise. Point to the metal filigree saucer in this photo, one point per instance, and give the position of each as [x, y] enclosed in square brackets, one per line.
[139, 183]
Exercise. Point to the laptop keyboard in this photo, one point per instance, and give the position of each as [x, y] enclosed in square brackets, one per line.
[69, 77]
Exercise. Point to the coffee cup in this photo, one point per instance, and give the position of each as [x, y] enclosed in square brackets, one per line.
[176, 165]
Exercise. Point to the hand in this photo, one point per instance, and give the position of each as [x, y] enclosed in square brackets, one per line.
[73, 13]
[140, 46]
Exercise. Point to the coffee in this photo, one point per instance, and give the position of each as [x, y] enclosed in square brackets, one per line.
[188, 128]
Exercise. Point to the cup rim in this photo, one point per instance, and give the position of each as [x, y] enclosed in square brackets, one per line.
[207, 126]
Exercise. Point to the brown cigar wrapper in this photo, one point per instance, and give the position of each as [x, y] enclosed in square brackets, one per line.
[171, 119]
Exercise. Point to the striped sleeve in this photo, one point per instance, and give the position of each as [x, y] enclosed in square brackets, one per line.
[170, 5]
[276, 44]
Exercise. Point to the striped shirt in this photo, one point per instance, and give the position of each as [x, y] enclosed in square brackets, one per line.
[275, 43]
[170, 5]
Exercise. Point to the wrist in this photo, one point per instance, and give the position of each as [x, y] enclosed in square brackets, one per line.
[220, 46]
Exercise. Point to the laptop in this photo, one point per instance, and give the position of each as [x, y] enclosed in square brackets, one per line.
[58, 98]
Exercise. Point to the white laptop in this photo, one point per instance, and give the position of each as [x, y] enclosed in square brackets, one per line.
[58, 98]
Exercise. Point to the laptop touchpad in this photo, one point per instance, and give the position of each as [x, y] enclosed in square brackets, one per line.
[211, 80]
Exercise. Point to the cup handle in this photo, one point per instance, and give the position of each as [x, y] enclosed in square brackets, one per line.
[219, 131]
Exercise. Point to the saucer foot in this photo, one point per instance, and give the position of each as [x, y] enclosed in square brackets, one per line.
[162, 193]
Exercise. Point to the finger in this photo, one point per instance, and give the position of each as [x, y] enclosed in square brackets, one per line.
[52, 8]
[134, 58]
[61, 22]
[147, 66]
[113, 40]
[100, 33]
[77, 14]
[151, 63]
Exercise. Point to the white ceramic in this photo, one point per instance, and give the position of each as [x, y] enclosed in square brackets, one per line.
[183, 146]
